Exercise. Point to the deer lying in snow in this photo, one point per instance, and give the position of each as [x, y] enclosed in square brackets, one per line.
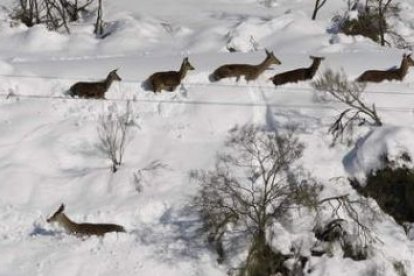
[300, 74]
[169, 80]
[250, 72]
[82, 229]
[95, 90]
[392, 74]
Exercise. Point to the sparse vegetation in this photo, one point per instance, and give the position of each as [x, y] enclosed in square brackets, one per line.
[399, 268]
[113, 134]
[252, 185]
[55, 14]
[370, 21]
[347, 226]
[336, 86]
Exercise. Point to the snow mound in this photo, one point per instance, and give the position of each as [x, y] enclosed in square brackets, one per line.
[133, 33]
[369, 152]
[245, 35]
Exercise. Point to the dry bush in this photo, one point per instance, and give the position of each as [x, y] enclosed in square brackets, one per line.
[55, 14]
[336, 86]
[113, 131]
[355, 240]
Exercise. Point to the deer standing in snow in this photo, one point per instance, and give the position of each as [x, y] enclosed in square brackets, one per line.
[300, 74]
[250, 72]
[82, 229]
[169, 80]
[392, 74]
[94, 90]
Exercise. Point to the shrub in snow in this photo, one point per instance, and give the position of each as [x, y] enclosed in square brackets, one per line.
[393, 189]
[113, 130]
[336, 86]
[251, 186]
[54, 14]
[368, 20]
[346, 229]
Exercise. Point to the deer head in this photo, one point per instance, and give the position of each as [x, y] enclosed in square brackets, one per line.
[56, 215]
[410, 61]
[113, 75]
[271, 57]
[187, 65]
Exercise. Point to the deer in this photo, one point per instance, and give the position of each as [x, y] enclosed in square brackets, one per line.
[94, 90]
[250, 72]
[300, 74]
[82, 229]
[391, 74]
[169, 80]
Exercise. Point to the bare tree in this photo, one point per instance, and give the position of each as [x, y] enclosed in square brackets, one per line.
[113, 133]
[99, 25]
[318, 5]
[252, 185]
[337, 86]
[383, 6]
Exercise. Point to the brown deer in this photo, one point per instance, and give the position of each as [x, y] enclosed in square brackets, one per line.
[169, 80]
[391, 74]
[82, 229]
[250, 72]
[300, 74]
[94, 90]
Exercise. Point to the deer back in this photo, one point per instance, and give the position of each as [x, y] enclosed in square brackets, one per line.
[297, 75]
[291, 76]
[169, 80]
[392, 74]
[98, 229]
[250, 72]
[378, 76]
[95, 90]
[82, 229]
[88, 90]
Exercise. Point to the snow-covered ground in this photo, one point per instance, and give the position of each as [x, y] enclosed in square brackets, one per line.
[48, 146]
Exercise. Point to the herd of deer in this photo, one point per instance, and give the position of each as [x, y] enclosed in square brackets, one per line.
[169, 80]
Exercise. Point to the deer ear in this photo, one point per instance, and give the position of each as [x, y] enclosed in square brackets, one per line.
[61, 208]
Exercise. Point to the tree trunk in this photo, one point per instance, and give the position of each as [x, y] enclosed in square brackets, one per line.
[318, 4]
[99, 21]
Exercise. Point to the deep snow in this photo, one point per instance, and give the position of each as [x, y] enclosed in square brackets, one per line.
[48, 146]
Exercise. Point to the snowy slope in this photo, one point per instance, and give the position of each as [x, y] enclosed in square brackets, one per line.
[48, 145]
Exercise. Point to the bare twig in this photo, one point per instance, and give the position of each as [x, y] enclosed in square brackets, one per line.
[358, 112]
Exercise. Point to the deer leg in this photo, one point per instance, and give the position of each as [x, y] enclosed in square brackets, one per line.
[157, 89]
